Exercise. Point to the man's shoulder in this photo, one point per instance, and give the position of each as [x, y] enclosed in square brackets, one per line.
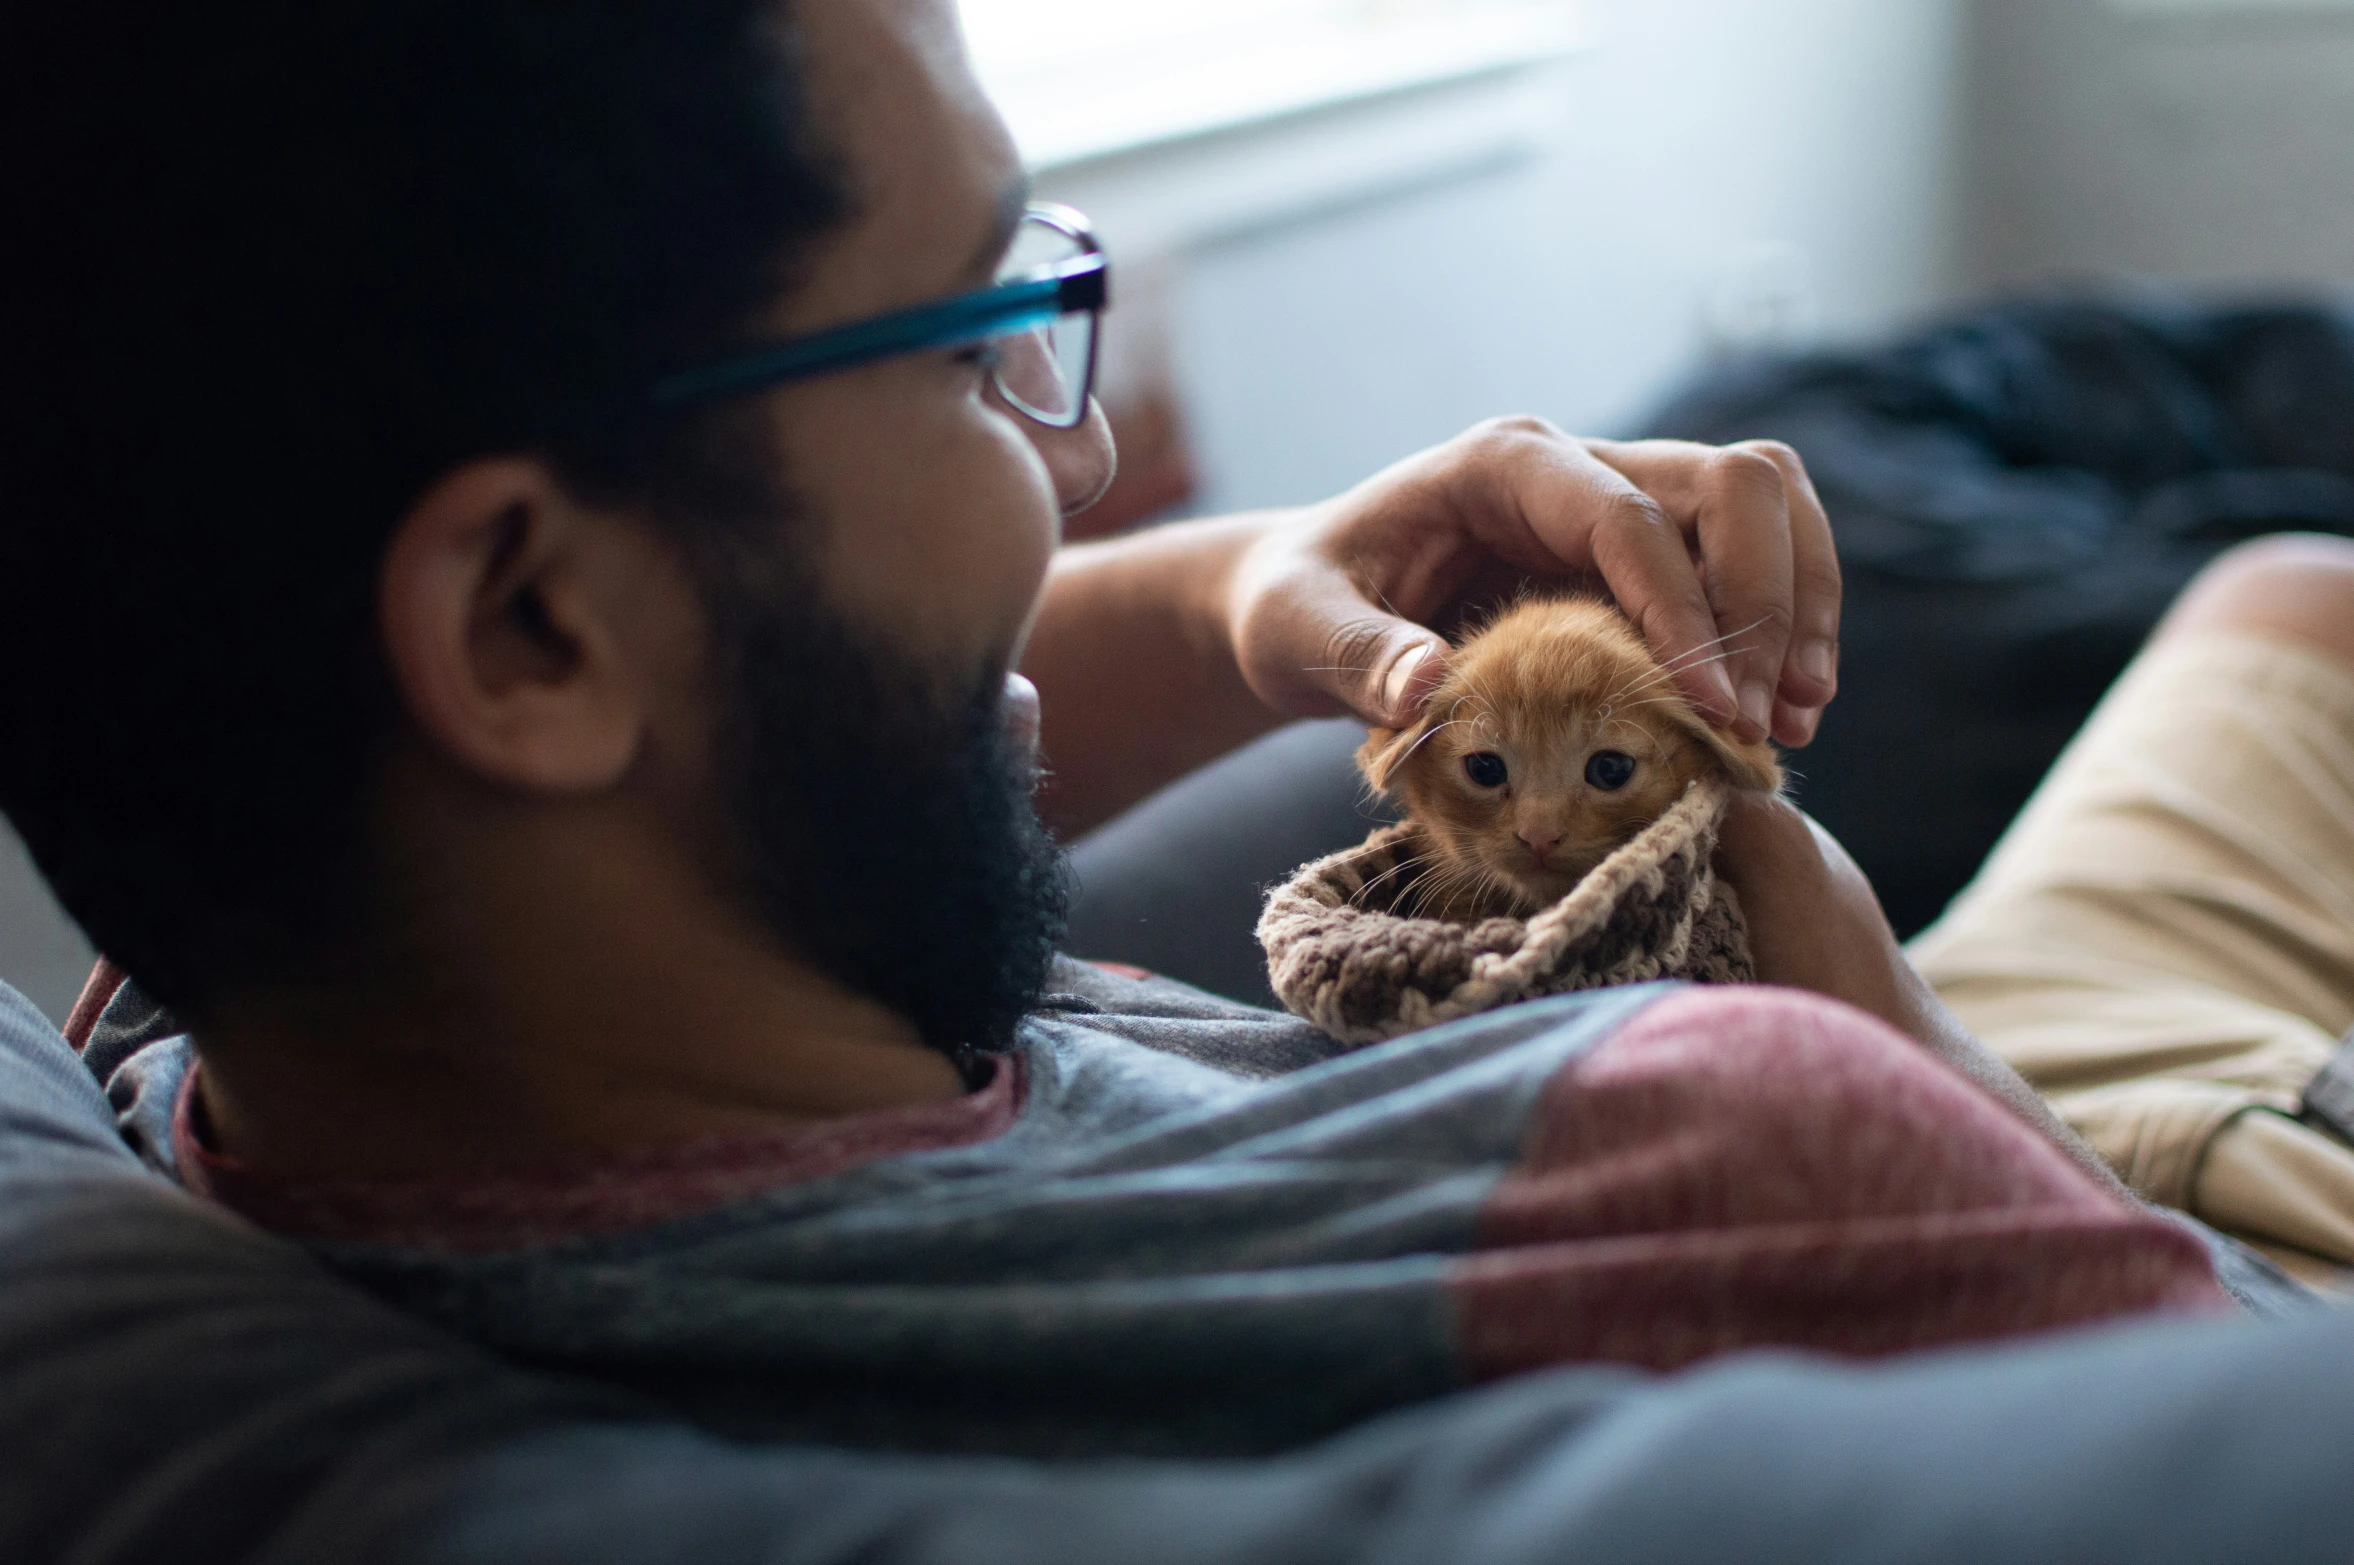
[51, 1108]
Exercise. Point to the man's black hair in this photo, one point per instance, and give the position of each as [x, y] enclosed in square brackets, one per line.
[270, 268]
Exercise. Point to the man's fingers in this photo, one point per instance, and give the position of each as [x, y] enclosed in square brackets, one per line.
[1734, 505]
[1415, 671]
[1721, 556]
[1318, 644]
[1810, 673]
[1771, 571]
[1795, 726]
[1743, 527]
[1581, 508]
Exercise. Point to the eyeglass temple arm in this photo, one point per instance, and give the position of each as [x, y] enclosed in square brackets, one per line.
[1082, 283]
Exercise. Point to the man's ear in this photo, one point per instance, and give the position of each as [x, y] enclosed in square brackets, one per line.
[503, 607]
[1384, 748]
[1751, 766]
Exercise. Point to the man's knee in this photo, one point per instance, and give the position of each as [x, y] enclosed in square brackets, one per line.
[2296, 587]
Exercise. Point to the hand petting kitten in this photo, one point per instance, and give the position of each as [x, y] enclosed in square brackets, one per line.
[1344, 607]
[1160, 650]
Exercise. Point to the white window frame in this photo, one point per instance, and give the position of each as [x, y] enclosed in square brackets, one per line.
[2227, 8]
[1081, 80]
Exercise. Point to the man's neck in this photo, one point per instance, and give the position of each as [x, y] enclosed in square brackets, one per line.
[621, 1010]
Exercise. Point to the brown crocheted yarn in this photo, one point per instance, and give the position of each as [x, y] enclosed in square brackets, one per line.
[1342, 958]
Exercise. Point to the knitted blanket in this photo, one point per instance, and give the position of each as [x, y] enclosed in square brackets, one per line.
[1341, 956]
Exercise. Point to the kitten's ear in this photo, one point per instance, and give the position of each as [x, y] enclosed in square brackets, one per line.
[1384, 748]
[1750, 766]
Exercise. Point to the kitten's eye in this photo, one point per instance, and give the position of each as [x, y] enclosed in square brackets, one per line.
[1486, 768]
[1610, 770]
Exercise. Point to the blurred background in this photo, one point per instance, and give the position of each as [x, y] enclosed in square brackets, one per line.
[1587, 199]
[1345, 229]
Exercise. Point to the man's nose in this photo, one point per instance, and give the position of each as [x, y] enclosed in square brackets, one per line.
[1080, 461]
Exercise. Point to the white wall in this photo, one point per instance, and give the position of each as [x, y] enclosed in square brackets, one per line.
[2212, 148]
[1701, 143]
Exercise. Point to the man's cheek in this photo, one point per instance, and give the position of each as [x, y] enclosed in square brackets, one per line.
[941, 535]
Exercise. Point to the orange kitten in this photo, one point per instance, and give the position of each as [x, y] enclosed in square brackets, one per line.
[1556, 738]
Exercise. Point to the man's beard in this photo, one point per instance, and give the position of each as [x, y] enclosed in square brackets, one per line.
[881, 825]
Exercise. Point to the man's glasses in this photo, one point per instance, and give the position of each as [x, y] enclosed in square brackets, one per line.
[1037, 323]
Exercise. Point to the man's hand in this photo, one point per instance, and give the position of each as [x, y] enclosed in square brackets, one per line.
[1157, 651]
[1815, 924]
[1722, 558]
[1814, 921]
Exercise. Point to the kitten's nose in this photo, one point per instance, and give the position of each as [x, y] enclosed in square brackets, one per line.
[1539, 840]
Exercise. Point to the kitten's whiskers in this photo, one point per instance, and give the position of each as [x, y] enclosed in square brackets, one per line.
[1400, 867]
[1436, 728]
[1700, 656]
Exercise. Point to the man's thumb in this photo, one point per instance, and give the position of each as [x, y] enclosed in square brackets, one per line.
[1312, 642]
[1406, 667]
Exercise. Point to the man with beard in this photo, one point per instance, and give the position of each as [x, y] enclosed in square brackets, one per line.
[545, 502]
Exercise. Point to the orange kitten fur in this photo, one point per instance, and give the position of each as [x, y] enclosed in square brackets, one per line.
[1556, 738]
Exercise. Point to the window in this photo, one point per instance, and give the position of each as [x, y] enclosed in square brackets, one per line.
[2224, 7]
[1079, 78]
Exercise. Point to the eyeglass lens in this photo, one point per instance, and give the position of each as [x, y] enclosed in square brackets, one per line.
[1045, 372]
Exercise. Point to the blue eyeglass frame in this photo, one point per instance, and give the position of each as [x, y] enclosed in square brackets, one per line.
[1082, 283]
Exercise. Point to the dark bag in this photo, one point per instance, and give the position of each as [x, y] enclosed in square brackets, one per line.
[2018, 494]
